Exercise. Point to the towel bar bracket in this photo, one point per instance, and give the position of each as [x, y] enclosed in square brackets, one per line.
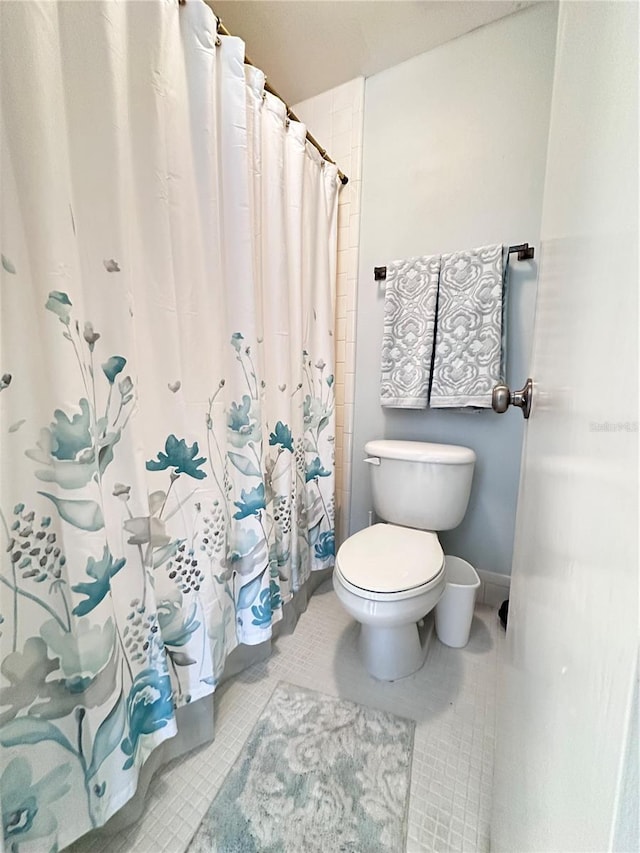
[524, 250]
[379, 273]
[502, 397]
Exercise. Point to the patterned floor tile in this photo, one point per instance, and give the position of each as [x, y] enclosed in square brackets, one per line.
[452, 700]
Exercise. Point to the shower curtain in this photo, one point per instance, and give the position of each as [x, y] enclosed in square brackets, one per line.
[167, 404]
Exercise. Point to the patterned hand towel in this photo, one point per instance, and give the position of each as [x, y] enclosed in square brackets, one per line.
[407, 344]
[468, 359]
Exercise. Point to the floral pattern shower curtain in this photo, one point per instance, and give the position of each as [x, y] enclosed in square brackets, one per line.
[167, 401]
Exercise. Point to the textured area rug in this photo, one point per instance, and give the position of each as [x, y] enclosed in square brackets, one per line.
[316, 774]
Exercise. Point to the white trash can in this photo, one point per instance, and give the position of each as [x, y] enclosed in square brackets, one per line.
[454, 611]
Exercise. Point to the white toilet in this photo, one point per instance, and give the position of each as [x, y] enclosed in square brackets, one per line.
[389, 576]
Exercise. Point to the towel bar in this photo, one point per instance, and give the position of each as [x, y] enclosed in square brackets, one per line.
[524, 250]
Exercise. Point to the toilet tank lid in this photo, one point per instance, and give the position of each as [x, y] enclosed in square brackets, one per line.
[420, 451]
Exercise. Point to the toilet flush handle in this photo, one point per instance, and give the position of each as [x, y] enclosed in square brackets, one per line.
[372, 460]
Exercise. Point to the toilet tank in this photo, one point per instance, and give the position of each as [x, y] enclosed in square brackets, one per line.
[420, 484]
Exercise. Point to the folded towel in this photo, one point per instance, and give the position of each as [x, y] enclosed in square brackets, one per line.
[468, 360]
[407, 344]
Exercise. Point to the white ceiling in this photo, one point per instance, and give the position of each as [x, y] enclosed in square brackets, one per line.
[308, 46]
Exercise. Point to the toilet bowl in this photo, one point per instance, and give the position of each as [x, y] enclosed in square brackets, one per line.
[389, 604]
[389, 576]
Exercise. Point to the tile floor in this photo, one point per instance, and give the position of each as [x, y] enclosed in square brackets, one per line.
[452, 700]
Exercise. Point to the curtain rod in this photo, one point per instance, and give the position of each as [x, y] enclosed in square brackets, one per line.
[290, 113]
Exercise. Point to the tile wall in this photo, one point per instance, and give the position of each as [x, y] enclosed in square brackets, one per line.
[335, 118]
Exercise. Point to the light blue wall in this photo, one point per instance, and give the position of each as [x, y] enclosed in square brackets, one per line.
[454, 157]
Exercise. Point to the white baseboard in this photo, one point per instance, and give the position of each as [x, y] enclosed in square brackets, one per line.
[494, 588]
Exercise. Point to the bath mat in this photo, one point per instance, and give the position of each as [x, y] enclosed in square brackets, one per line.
[316, 775]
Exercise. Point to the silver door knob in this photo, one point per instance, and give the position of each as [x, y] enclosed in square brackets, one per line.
[503, 397]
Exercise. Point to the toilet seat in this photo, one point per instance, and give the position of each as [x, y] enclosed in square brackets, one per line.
[386, 562]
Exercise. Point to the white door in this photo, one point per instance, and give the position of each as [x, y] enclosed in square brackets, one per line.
[565, 694]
